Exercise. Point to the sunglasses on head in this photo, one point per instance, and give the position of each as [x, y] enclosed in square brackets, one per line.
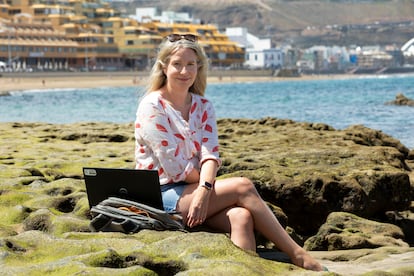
[177, 37]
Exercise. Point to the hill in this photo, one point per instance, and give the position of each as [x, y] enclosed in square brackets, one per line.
[303, 23]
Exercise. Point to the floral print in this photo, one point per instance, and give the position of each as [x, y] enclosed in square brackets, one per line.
[164, 141]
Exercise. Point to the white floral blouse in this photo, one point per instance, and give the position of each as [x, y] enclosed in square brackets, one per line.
[164, 141]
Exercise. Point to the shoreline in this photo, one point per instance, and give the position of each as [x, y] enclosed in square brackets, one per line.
[43, 81]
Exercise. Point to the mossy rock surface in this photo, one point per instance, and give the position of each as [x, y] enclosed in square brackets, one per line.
[306, 171]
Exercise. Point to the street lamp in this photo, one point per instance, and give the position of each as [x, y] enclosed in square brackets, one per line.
[86, 52]
[8, 47]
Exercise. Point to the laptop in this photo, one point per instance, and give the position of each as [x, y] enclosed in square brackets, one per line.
[142, 186]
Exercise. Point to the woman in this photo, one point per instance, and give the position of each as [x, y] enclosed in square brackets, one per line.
[176, 134]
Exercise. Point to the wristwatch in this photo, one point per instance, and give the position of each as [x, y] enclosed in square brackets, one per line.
[207, 185]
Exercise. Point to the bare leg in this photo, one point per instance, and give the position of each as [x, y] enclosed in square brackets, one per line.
[239, 223]
[241, 192]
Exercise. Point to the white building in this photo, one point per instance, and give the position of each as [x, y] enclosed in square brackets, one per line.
[144, 14]
[408, 48]
[259, 52]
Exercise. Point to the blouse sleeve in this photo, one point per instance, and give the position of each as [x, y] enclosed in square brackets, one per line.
[210, 144]
[153, 127]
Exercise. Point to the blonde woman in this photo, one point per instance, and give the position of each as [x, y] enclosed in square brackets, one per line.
[176, 134]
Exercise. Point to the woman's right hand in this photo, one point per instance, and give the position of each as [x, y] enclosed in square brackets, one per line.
[197, 213]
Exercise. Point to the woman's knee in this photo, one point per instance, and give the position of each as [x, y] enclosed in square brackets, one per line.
[245, 185]
[241, 218]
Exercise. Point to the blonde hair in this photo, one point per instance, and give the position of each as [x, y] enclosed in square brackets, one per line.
[157, 77]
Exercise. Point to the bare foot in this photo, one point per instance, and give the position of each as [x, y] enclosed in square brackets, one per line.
[303, 259]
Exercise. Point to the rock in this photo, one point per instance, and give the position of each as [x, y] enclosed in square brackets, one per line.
[305, 171]
[388, 261]
[5, 93]
[348, 231]
[401, 99]
[310, 170]
[404, 220]
[144, 253]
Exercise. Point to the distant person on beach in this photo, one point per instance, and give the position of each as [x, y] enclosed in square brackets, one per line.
[176, 134]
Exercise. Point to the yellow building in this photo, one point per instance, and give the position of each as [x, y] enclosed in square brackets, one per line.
[90, 35]
[30, 45]
[221, 51]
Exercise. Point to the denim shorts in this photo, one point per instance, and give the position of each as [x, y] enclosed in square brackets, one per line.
[171, 193]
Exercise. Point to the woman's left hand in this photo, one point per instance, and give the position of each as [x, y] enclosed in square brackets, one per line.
[197, 213]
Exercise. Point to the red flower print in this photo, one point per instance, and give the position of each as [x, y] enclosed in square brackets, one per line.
[205, 140]
[177, 151]
[160, 171]
[204, 101]
[162, 104]
[197, 146]
[141, 150]
[150, 166]
[137, 125]
[208, 128]
[193, 107]
[164, 143]
[179, 136]
[161, 128]
[205, 117]
[216, 149]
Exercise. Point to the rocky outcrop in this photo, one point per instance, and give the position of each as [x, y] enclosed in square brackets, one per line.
[401, 99]
[347, 231]
[311, 170]
[4, 93]
[326, 186]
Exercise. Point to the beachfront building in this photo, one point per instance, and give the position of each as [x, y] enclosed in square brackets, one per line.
[53, 36]
[320, 59]
[259, 52]
[90, 35]
[27, 45]
[408, 52]
[373, 58]
[154, 14]
[221, 51]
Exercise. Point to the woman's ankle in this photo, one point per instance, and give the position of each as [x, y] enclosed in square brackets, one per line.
[303, 259]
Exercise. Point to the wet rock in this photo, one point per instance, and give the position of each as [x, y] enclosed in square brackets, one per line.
[348, 231]
[401, 99]
[4, 93]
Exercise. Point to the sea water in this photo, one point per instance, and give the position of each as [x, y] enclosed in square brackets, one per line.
[336, 102]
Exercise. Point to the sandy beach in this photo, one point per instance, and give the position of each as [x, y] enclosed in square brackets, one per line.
[39, 81]
[52, 82]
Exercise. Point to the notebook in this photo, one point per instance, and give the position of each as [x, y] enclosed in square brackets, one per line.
[138, 185]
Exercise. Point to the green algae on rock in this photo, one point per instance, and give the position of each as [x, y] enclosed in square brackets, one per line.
[306, 171]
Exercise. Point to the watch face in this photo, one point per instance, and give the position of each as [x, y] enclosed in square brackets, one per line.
[208, 185]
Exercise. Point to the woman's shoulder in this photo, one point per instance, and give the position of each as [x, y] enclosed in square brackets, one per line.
[201, 99]
[151, 96]
[149, 101]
